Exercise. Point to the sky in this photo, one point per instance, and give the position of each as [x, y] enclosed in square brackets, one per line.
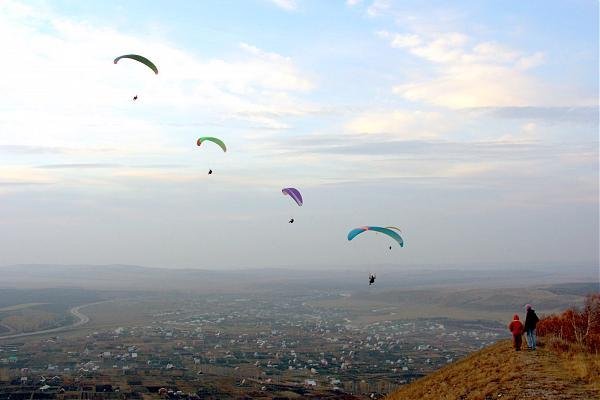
[472, 126]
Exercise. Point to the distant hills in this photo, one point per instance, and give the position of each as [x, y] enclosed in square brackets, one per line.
[129, 277]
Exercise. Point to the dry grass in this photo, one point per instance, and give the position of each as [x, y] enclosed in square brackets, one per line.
[498, 372]
[577, 361]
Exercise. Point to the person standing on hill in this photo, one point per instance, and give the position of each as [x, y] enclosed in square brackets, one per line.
[531, 321]
[516, 328]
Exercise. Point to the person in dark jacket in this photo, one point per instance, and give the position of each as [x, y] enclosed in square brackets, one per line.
[531, 321]
[516, 328]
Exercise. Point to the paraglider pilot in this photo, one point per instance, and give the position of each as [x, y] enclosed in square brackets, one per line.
[210, 171]
[371, 279]
[291, 221]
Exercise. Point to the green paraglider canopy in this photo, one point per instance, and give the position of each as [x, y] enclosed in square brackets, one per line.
[218, 141]
[141, 59]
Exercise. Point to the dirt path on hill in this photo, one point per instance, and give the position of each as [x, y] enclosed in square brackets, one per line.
[545, 376]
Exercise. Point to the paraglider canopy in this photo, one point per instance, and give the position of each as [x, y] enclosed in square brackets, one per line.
[218, 141]
[141, 59]
[386, 231]
[294, 194]
[394, 228]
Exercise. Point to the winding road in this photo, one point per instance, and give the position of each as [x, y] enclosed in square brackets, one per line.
[82, 319]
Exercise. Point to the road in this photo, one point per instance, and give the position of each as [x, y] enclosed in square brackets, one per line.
[82, 319]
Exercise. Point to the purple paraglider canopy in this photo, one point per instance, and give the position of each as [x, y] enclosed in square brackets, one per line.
[294, 194]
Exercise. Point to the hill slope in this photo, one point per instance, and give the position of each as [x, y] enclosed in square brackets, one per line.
[498, 372]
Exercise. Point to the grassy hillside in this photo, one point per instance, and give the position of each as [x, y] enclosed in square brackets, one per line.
[498, 372]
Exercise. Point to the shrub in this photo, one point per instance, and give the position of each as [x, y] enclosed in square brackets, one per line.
[575, 326]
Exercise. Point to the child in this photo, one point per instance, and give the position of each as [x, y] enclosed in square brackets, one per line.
[516, 328]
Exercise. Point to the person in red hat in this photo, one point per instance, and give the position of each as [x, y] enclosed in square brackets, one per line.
[516, 328]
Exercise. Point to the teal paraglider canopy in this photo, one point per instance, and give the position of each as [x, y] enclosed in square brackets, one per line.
[386, 231]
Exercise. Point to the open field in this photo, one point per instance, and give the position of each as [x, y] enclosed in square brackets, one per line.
[123, 312]
[20, 306]
[497, 304]
[78, 317]
[22, 314]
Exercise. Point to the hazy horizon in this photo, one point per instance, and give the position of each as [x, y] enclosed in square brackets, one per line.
[472, 127]
[590, 266]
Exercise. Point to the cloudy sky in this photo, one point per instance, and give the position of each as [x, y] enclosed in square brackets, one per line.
[471, 125]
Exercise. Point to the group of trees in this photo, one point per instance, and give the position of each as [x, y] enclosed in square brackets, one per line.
[581, 327]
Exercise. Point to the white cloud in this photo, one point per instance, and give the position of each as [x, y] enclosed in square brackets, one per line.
[528, 132]
[378, 7]
[352, 3]
[473, 169]
[289, 5]
[14, 174]
[475, 85]
[400, 40]
[531, 61]
[492, 52]
[284, 76]
[402, 125]
[444, 48]
[468, 73]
